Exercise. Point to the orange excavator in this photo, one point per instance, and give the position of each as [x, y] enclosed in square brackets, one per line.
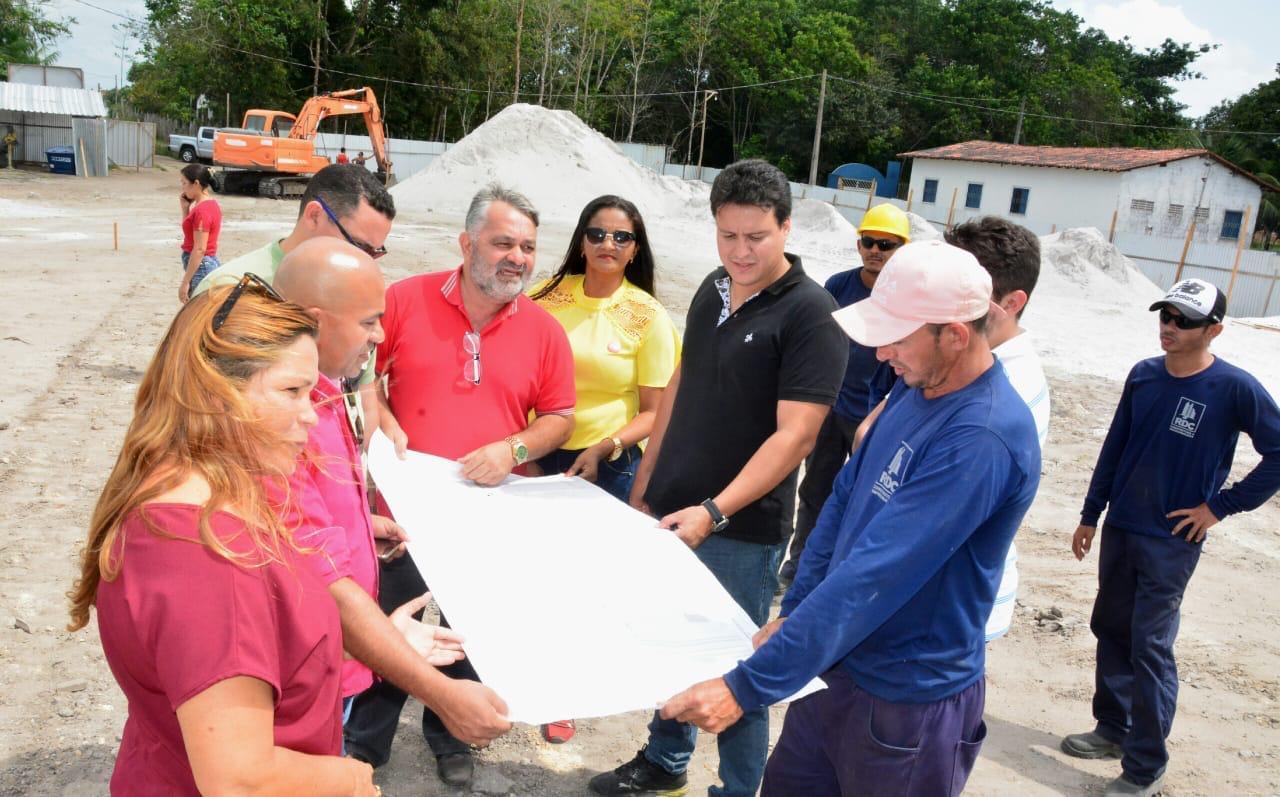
[273, 153]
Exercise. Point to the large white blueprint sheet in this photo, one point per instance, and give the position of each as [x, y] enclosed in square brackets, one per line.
[573, 604]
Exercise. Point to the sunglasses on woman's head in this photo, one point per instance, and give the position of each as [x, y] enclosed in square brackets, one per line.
[596, 236]
[249, 279]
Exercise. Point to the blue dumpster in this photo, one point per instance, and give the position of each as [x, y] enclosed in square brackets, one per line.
[62, 160]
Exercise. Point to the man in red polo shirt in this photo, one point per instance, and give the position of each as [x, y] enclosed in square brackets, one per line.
[468, 359]
[342, 288]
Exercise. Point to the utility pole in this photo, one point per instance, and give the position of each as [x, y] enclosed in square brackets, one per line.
[707, 96]
[817, 131]
[1022, 109]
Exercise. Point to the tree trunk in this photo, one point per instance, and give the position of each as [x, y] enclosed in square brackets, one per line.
[637, 64]
[515, 92]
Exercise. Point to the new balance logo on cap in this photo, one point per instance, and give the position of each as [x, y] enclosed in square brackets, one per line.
[1195, 299]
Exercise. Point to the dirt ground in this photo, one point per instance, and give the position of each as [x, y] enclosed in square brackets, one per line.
[79, 321]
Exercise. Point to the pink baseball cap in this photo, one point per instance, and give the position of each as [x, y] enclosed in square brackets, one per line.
[926, 282]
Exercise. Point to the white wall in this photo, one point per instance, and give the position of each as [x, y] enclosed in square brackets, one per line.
[1188, 182]
[408, 157]
[1059, 197]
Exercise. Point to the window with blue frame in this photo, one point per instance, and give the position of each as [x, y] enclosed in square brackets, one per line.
[1018, 203]
[930, 191]
[973, 197]
[1231, 221]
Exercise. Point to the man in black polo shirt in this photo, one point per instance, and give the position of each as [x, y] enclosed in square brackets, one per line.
[762, 364]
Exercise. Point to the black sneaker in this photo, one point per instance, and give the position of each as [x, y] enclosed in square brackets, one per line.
[638, 776]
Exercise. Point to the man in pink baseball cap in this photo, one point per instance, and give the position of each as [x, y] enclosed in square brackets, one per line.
[898, 577]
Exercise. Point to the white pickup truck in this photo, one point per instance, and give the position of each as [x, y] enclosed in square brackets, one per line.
[190, 149]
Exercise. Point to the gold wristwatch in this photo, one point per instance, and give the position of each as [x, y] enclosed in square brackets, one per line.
[617, 448]
[519, 451]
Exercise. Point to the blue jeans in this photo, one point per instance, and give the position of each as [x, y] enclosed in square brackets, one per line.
[615, 478]
[347, 702]
[207, 263]
[749, 573]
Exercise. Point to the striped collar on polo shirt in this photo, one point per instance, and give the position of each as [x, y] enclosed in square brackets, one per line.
[453, 293]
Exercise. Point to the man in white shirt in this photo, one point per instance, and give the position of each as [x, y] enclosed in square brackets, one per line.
[1011, 254]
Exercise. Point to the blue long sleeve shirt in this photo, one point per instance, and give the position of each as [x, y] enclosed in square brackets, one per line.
[846, 288]
[900, 572]
[1171, 445]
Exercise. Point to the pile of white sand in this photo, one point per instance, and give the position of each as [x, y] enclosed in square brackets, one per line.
[1089, 312]
[560, 163]
[921, 229]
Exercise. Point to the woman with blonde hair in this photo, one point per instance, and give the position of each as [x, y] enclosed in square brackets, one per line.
[226, 645]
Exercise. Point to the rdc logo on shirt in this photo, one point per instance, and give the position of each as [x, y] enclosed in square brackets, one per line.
[892, 476]
[1186, 418]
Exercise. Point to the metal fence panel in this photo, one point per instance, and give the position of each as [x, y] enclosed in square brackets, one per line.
[1254, 292]
[131, 144]
[90, 141]
[36, 133]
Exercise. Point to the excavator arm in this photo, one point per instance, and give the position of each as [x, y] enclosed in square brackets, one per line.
[339, 103]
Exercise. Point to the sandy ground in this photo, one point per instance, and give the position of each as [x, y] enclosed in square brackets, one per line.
[78, 322]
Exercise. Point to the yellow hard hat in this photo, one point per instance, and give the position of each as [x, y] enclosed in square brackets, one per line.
[887, 218]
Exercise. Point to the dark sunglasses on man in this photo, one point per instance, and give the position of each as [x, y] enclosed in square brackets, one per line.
[596, 236]
[883, 244]
[1181, 321]
[374, 252]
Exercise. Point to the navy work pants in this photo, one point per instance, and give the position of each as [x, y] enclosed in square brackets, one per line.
[845, 741]
[1135, 619]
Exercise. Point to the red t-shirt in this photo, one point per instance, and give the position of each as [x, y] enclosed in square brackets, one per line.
[526, 366]
[205, 215]
[342, 158]
[179, 618]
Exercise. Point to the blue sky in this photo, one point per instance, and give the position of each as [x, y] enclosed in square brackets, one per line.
[1244, 29]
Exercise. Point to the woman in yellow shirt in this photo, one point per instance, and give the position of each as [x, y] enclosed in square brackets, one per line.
[625, 349]
[625, 346]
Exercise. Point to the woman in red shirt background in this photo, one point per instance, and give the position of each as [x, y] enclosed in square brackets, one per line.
[226, 645]
[201, 223]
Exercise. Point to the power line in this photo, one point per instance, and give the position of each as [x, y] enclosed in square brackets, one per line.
[1014, 111]
[966, 102]
[442, 87]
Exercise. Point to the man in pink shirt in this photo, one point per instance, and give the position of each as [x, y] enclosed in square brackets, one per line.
[468, 359]
[342, 288]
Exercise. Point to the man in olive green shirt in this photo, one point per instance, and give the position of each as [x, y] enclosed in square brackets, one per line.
[341, 201]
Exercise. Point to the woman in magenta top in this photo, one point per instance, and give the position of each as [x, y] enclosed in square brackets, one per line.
[201, 223]
[226, 645]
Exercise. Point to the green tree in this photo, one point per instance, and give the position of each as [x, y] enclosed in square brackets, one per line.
[1256, 112]
[27, 33]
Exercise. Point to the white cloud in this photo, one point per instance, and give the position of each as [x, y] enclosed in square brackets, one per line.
[1229, 71]
[92, 43]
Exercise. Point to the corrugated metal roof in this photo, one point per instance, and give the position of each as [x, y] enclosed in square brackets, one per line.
[51, 99]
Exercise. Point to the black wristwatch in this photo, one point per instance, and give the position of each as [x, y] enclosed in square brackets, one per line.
[718, 520]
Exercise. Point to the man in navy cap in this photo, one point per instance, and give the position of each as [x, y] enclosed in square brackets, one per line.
[1160, 476]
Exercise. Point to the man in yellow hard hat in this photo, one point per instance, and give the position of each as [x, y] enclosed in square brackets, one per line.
[883, 230]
